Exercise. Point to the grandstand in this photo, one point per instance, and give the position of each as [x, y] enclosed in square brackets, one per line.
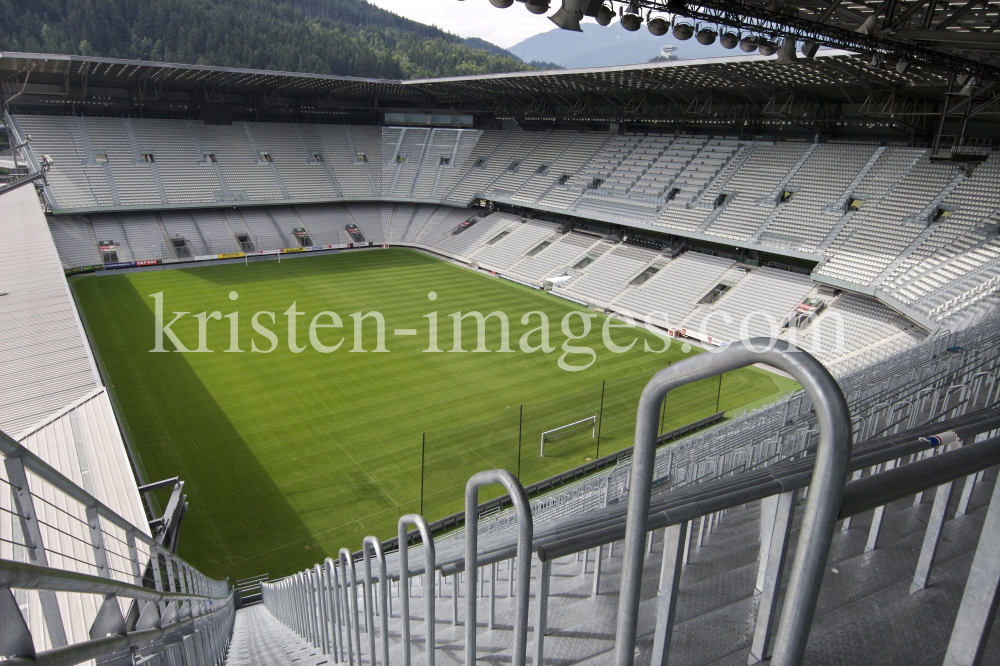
[845, 234]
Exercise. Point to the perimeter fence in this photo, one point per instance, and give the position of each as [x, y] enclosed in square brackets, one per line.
[579, 426]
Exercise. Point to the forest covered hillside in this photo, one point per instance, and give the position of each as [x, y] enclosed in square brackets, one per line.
[345, 37]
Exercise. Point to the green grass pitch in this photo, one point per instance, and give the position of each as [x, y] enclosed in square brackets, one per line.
[290, 456]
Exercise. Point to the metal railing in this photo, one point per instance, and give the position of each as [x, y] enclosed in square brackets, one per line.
[828, 482]
[322, 602]
[56, 537]
[919, 379]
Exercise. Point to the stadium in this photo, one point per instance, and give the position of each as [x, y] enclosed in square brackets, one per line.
[687, 362]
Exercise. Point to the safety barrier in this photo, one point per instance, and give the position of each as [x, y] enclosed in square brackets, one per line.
[61, 539]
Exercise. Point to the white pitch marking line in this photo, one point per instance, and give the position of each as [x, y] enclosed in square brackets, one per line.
[405, 331]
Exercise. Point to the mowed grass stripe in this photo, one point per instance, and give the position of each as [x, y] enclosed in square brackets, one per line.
[289, 457]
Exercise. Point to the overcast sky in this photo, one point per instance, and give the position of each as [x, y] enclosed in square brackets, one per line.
[474, 18]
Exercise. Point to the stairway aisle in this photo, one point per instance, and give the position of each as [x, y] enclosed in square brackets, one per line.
[260, 640]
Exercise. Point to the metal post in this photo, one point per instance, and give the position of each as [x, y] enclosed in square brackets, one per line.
[931, 537]
[847, 521]
[383, 601]
[963, 502]
[597, 572]
[520, 425]
[404, 587]
[33, 545]
[493, 595]
[670, 583]
[597, 454]
[768, 511]
[829, 476]
[978, 610]
[718, 397]
[524, 535]
[701, 531]
[334, 589]
[541, 611]
[687, 540]
[767, 609]
[323, 608]
[876, 526]
[351, 605]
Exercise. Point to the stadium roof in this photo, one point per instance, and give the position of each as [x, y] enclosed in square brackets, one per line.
[958, 37]
[745, 90]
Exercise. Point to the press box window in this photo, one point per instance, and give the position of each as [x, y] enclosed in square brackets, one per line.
[317, 157]
[265, 157]
[148, 158]
[361, 157]
[209, 157]
[101, 157]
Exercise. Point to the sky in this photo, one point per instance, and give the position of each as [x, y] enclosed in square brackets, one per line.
[475, 18]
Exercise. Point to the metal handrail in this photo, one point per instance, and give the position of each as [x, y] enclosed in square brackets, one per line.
[524, 535]
[404, 584]
[828, 481]
[881, 489]
[9, 449]
[351, 604]
[77, 653]
[25, 576]
[383, 597]
[178, 596]
[669, 508]
[781, 467]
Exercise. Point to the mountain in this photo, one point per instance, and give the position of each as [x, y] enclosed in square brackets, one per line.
[476, 43]
[599, 46]
[345, 37]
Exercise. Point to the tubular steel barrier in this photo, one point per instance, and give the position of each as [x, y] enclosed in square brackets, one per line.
[828, 481]
[914, 432]
[176, 612]
[678, 512]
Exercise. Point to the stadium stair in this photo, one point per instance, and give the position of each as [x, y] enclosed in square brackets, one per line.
[866, 614]
[260, 640]
[776, 192]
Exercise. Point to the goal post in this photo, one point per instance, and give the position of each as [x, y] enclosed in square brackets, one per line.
[592, 420]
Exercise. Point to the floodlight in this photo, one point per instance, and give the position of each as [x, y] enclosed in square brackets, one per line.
[631, 20]
[768, 48]
[501, 4]
[870, 26]
[537, 6]
[658, 26]
[748, 44]
[786, 53]
[706, 36]
[605, 15]
[568, 16]
[683, 31]
[729, 40]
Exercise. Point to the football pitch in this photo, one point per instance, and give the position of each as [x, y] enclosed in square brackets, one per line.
[290, 454]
